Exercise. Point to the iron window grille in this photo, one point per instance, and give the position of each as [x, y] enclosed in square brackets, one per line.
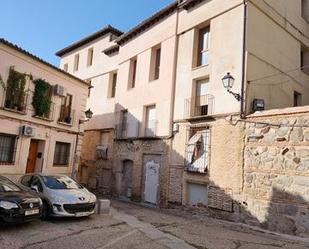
[7, 148]
[197, 150]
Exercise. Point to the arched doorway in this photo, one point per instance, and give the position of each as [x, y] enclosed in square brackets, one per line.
[126, 181]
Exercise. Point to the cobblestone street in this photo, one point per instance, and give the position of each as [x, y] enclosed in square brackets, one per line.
[134, 226]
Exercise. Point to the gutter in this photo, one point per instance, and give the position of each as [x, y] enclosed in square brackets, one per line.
[243, 83]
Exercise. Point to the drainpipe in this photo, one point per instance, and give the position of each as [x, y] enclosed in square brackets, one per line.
[243, 83]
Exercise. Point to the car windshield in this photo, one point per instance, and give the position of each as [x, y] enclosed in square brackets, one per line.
[8, 186]
[61, 182]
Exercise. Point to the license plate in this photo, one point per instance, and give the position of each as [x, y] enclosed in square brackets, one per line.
[32, 212]
[81, 214]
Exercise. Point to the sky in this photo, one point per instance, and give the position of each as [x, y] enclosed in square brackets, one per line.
[42, 27]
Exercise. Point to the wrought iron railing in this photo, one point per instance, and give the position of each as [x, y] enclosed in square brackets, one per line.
[199, 106]
[67, 115]
[151, 128]
[17, 102]
[127, 130]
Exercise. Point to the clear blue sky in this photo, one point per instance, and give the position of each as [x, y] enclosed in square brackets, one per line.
[45, 26]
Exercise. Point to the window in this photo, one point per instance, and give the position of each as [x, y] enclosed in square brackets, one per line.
[305, 9]
[155, 63]
[7, 148]
[132, 73]
[197, 150]
[113, 85]
[76, 62]
[297, 99]
[62, 154]
[66, 67]
[150, 121]
[66, 109]
[304, 60]
[90, 57]
[203, 46]
[201, 99]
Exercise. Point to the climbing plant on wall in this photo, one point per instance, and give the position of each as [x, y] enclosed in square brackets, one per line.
[15, 90]
[42, 98]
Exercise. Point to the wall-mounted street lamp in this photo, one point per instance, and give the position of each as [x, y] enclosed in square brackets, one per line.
[89, 114]
[228, 82]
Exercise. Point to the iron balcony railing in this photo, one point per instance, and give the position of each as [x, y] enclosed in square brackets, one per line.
[67, 115]
[17, 102]
[127, 130]
[151, 127]
[199, 106]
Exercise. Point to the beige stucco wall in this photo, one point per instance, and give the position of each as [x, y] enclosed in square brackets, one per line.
[273, 53]
[47, 132]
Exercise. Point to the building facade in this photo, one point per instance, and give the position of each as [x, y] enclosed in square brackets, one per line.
[41, 109]
[166, 130]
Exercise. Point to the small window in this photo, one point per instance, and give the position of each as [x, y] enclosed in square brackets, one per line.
[201, 100]
[113, 84]
[304, 60]
[297, 99]
[62, 154]
[66, 67]
[7, 148]
[203, 46]
[66, 109]
[76, 62]
[90, 57]
[198, 150]
[132, 73]
[305, 9]
[155, 63]
[124, 123]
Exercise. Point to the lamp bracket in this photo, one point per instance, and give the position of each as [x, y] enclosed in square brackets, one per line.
[236, 95]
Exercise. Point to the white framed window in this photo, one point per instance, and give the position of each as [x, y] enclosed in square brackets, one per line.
[203, 46]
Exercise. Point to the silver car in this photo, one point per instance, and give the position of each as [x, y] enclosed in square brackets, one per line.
[61, 195]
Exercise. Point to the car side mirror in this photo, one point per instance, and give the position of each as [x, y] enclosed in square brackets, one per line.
[34, 188]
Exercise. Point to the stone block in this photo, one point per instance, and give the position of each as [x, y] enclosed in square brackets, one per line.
[103, 206]
[296, 135]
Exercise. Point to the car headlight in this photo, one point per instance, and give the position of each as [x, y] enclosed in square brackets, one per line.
[8, 205]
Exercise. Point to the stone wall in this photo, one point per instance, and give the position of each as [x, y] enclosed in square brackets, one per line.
[276, 171]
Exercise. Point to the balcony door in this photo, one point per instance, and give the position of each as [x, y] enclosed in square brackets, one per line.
[201, 99]
[66, 109]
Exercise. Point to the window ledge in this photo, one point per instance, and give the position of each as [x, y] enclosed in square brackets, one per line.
[15, 111]
[66, 124]
[154, 80]
[200, 67]
[61, 165]
[42, 118]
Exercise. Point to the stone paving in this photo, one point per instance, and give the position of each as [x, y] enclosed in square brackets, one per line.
[132, 226]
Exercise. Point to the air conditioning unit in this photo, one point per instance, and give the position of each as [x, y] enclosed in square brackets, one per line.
[59, 90]
[27, 131]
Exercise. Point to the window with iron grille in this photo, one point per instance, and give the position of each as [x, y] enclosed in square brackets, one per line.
[198, 150]
[7, 148]
[62, 154]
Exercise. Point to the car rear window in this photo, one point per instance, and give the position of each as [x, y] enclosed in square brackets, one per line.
[61, 182]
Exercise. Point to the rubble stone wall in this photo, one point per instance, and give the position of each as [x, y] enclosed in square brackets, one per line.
[276, 172]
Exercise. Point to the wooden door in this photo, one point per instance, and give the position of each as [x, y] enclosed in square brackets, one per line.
[32, 156]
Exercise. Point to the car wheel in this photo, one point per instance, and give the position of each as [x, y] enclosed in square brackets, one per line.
[45, 211]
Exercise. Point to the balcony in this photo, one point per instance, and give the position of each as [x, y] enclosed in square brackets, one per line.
[199, 106]
[66, 115]
[126, 130]
[16, 102]
[151, 128]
